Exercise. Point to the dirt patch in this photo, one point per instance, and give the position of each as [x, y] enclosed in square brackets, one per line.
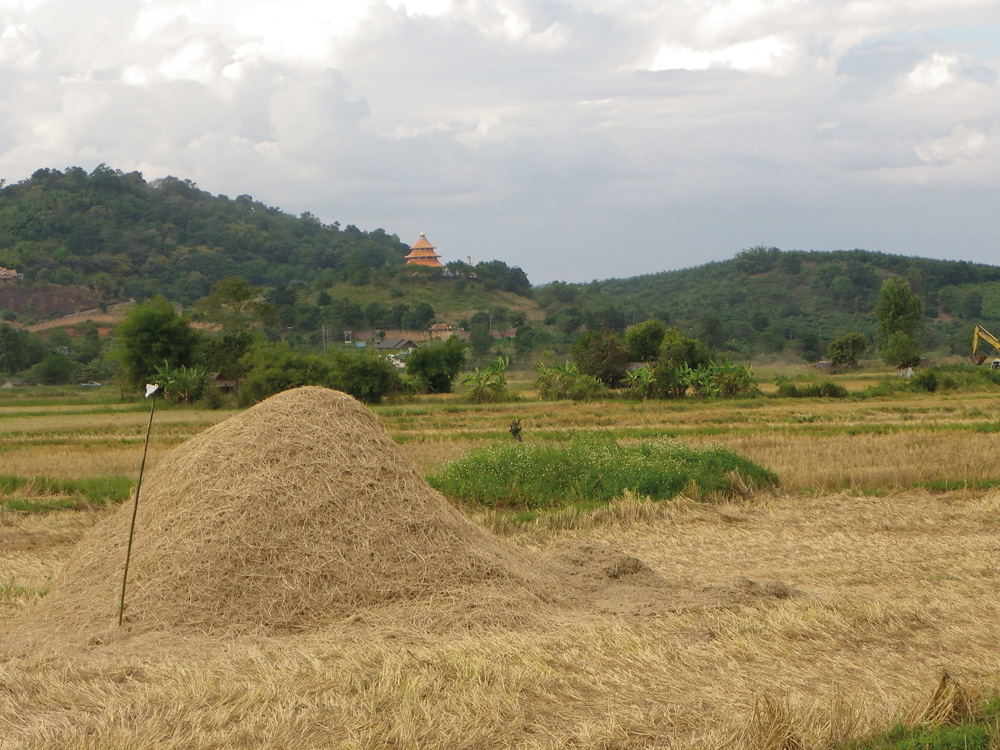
[743, 591]
[602, 578]
[49, 302]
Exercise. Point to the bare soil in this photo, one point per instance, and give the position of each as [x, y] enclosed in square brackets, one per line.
[42, 304]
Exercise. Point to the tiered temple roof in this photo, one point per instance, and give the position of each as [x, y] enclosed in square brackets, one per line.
[422, 254]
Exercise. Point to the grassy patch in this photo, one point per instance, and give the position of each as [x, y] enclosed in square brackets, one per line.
[951, 485]
[960, 737]
[11, 592]
[592, 468]
[44, 494]
[963, 725]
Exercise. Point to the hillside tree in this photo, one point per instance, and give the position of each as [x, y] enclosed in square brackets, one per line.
[900, 317]
[480, 339]
[236, 305]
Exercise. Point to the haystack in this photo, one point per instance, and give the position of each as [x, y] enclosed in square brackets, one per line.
[294, 514]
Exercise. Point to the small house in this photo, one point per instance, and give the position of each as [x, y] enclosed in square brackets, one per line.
[395, 345]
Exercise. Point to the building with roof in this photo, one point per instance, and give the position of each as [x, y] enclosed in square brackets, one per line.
[422, 254]
[395, 345]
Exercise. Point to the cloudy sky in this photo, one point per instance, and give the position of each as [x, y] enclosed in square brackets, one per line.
[578, 139]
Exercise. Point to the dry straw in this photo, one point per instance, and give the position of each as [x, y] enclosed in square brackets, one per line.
[298, 512]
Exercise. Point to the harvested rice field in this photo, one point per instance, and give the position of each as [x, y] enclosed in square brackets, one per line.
[294, 582]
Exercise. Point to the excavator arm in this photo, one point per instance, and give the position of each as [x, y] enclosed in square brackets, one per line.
[989, 338]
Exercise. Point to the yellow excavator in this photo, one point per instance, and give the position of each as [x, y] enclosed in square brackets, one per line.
[978, 359]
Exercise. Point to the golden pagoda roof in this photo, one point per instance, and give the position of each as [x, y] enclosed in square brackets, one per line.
[422, 244]
[422, 253]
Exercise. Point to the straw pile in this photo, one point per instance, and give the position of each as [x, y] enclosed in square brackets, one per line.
[294, 514]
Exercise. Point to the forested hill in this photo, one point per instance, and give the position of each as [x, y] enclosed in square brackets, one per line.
[768, 300]
[123, 236]
[78, 238]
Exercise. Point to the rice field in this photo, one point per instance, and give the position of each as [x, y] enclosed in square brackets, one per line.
[874, 445]
[823, 611]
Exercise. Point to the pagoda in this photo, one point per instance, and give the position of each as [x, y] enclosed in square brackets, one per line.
[422, 254]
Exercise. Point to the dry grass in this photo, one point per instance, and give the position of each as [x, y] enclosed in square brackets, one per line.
[869, 462]
[75, 443]
[780, 621]
[83, 461]
[887, 594]
[812, 444]
[451, 420]
[33, 549]
[295, 513]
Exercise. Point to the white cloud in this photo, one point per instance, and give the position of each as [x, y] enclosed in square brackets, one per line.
[663, 133]
[769, 54]
[421, 7]
[961, 143]
[18, 48]
[933, 72]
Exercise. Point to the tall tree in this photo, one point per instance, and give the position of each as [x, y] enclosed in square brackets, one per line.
[644, 340]
[900, 335]
[480, 339]
[18, 349]
[972, 305]
[710, 331]
[602, 355]
[235, 304]
[677, 354]
[153, 335]
[845, 350]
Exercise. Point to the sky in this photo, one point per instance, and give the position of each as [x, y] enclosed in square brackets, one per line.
[577, 139]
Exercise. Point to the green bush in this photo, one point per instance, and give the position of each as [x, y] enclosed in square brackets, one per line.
[925, 380]
[826, 389]
[722, 379]
[273, 369]
[489, 383]
[567, 382]
[602, 355]
[591, 469]
[367, 377]
[829, 389]
[435, 366]
[211, 399]
[182, 384]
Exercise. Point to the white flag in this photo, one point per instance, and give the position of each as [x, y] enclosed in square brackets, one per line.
[151, 388]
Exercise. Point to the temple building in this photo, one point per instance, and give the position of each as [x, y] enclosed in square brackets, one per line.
[422, 254]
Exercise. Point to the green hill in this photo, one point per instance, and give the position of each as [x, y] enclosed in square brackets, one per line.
[768, 301]
[82, 240]
[123, 236]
